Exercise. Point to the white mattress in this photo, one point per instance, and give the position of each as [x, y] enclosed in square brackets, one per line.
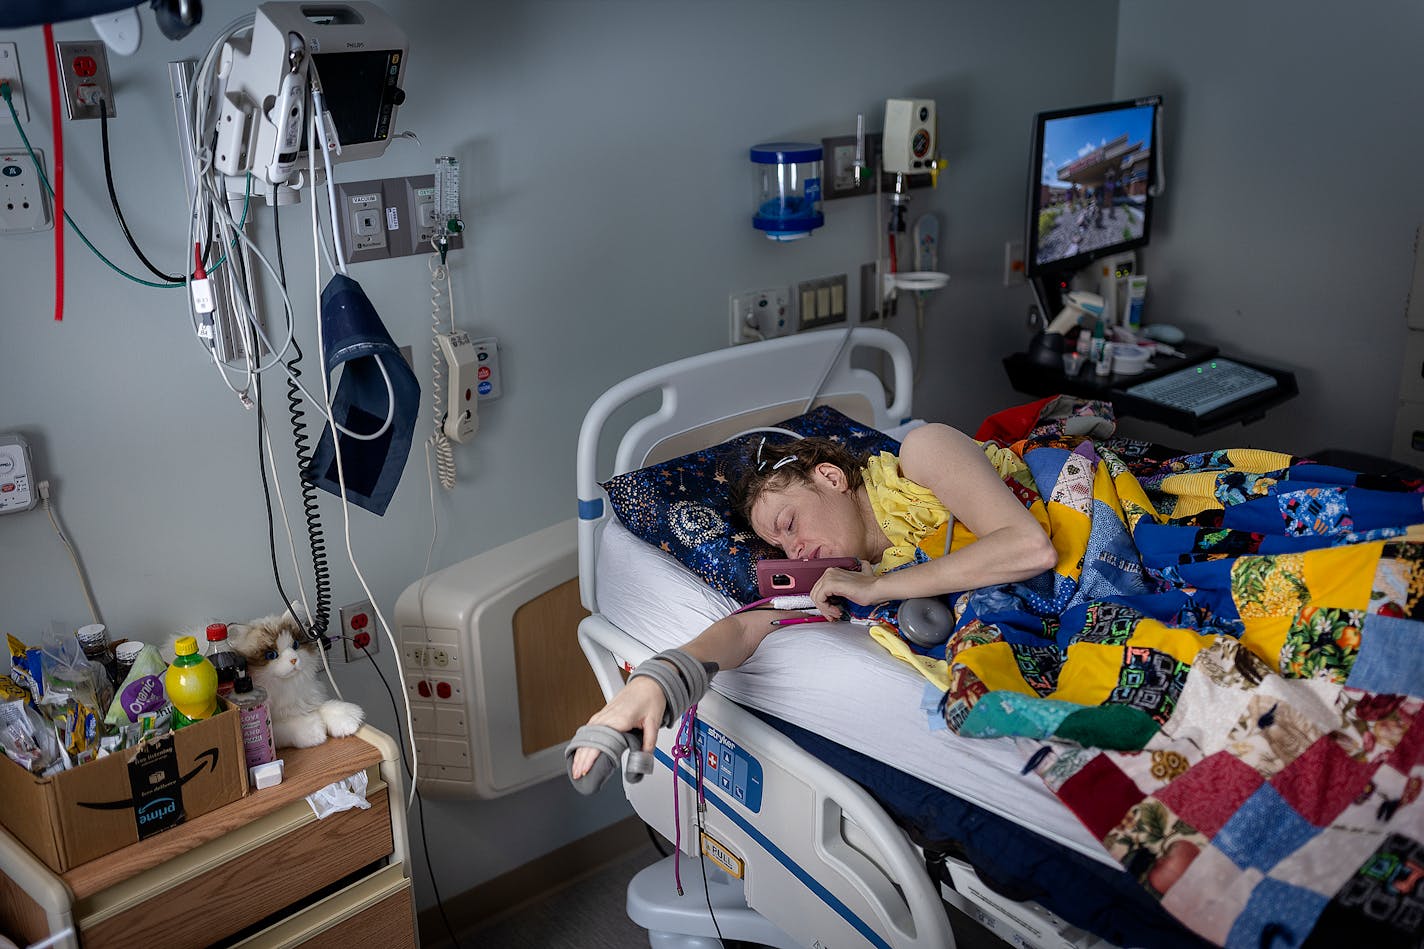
[832, 679]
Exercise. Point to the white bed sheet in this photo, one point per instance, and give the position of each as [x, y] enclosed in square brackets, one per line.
[831, 679]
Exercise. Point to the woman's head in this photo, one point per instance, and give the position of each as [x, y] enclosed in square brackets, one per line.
[801, 496]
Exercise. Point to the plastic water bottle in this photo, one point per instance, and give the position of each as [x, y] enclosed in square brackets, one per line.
[221, 654]
[191, 683]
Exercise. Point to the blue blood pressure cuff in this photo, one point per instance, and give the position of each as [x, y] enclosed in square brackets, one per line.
[376, 384]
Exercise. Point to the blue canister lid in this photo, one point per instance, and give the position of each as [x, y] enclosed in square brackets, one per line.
[781, 153]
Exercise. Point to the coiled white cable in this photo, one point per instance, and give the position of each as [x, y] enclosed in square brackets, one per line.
[439, 441]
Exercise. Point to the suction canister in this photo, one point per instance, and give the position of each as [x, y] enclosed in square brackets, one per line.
[787, 183]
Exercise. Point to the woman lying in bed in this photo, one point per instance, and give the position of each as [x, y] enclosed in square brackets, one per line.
[813, 499]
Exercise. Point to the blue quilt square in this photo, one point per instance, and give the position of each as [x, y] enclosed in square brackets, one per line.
[1277, 914]
[1263, 831]
[1391, 658]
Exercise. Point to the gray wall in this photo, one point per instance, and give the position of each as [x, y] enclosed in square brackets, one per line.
[607, 190]
[1288, 227]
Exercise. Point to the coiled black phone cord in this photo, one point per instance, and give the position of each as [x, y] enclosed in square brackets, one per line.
[301, 442]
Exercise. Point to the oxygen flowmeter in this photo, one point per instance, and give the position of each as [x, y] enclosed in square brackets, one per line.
[447, 197]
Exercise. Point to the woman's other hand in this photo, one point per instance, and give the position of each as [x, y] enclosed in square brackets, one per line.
[639, 704]
[837, 584]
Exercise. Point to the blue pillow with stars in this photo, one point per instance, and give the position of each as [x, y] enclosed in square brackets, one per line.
[683, 505]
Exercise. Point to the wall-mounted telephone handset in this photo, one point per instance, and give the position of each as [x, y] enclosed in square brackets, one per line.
[17, 489]
[455, 360]
[462, 418]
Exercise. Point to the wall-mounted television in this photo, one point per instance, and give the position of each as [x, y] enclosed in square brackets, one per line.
[1091, 184]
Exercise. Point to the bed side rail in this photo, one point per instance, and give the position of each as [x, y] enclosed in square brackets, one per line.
[823, 861]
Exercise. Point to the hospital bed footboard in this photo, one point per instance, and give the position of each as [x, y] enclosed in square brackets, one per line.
[818, 856]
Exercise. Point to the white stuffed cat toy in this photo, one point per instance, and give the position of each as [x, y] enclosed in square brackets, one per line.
[291, 672]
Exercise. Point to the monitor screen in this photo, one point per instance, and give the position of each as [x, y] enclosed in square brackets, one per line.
[1090, 193]
[360, 92]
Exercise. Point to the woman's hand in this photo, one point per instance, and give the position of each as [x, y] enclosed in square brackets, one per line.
[836, 584]
[639, 704]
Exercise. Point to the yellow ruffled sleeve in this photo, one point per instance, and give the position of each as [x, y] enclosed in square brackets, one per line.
[909, 514]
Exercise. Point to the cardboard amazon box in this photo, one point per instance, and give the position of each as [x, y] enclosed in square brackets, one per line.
[99, 807]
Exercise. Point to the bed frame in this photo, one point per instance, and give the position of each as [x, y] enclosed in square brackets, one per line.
[817, 856]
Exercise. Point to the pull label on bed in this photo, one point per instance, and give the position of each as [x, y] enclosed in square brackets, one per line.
[721, 856]
[729, 768]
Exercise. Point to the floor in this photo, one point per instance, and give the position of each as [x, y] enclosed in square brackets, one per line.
[590, 914]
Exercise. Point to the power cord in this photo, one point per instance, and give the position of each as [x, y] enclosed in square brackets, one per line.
[698, 812]
[5, 93]
[114, 200]
[420, 802]
[44, 493]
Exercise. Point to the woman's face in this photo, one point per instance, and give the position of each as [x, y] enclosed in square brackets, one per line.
[812, 519]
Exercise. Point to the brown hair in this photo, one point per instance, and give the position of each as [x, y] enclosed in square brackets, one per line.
[775, 466]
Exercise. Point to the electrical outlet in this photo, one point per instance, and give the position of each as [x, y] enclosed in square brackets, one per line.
[359, 630]
[10, 72]
[24, 203]
[84, 74]
[760, 314]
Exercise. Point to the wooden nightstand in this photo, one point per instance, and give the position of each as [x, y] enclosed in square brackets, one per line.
[262, 871]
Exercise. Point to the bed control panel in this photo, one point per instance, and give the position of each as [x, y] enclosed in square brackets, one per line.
[729, 768]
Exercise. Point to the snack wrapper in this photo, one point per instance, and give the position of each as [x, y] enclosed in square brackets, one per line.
[18, 736]
[141, 693]
[27, 668]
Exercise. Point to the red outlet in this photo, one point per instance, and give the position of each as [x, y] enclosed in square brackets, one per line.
[423, 688]
[442, 689]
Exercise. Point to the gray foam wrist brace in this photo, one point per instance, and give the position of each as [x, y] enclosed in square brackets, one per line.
[682, 678]
[683, 681]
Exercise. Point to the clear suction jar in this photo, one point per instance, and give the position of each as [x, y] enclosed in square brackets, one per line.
[787, 182]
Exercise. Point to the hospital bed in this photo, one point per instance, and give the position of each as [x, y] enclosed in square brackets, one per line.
[816, 853]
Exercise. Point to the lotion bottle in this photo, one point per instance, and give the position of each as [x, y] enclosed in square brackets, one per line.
[256, 721]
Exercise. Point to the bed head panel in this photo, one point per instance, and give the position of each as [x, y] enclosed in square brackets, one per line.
[710, 397]
[853, 406]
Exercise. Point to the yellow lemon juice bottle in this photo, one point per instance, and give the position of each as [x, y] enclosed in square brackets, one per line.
[192, 684]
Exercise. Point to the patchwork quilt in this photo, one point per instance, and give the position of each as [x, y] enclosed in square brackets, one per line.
[1221, 678]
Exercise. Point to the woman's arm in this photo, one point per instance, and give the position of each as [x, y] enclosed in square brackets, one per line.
[729, 642]
[1010, 545]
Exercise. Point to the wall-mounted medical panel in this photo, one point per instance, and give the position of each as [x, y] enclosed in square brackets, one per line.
[388, 217]
[492, 667]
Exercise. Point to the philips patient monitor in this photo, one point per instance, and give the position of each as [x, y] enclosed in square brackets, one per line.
[351, 51]
[1091, 183]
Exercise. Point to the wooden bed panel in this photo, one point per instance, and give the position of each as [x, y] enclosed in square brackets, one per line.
[556, 685]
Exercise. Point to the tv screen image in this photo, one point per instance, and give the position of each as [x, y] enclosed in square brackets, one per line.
[1092, 179]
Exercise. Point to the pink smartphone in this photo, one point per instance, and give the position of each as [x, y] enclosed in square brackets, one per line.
[796, 577]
